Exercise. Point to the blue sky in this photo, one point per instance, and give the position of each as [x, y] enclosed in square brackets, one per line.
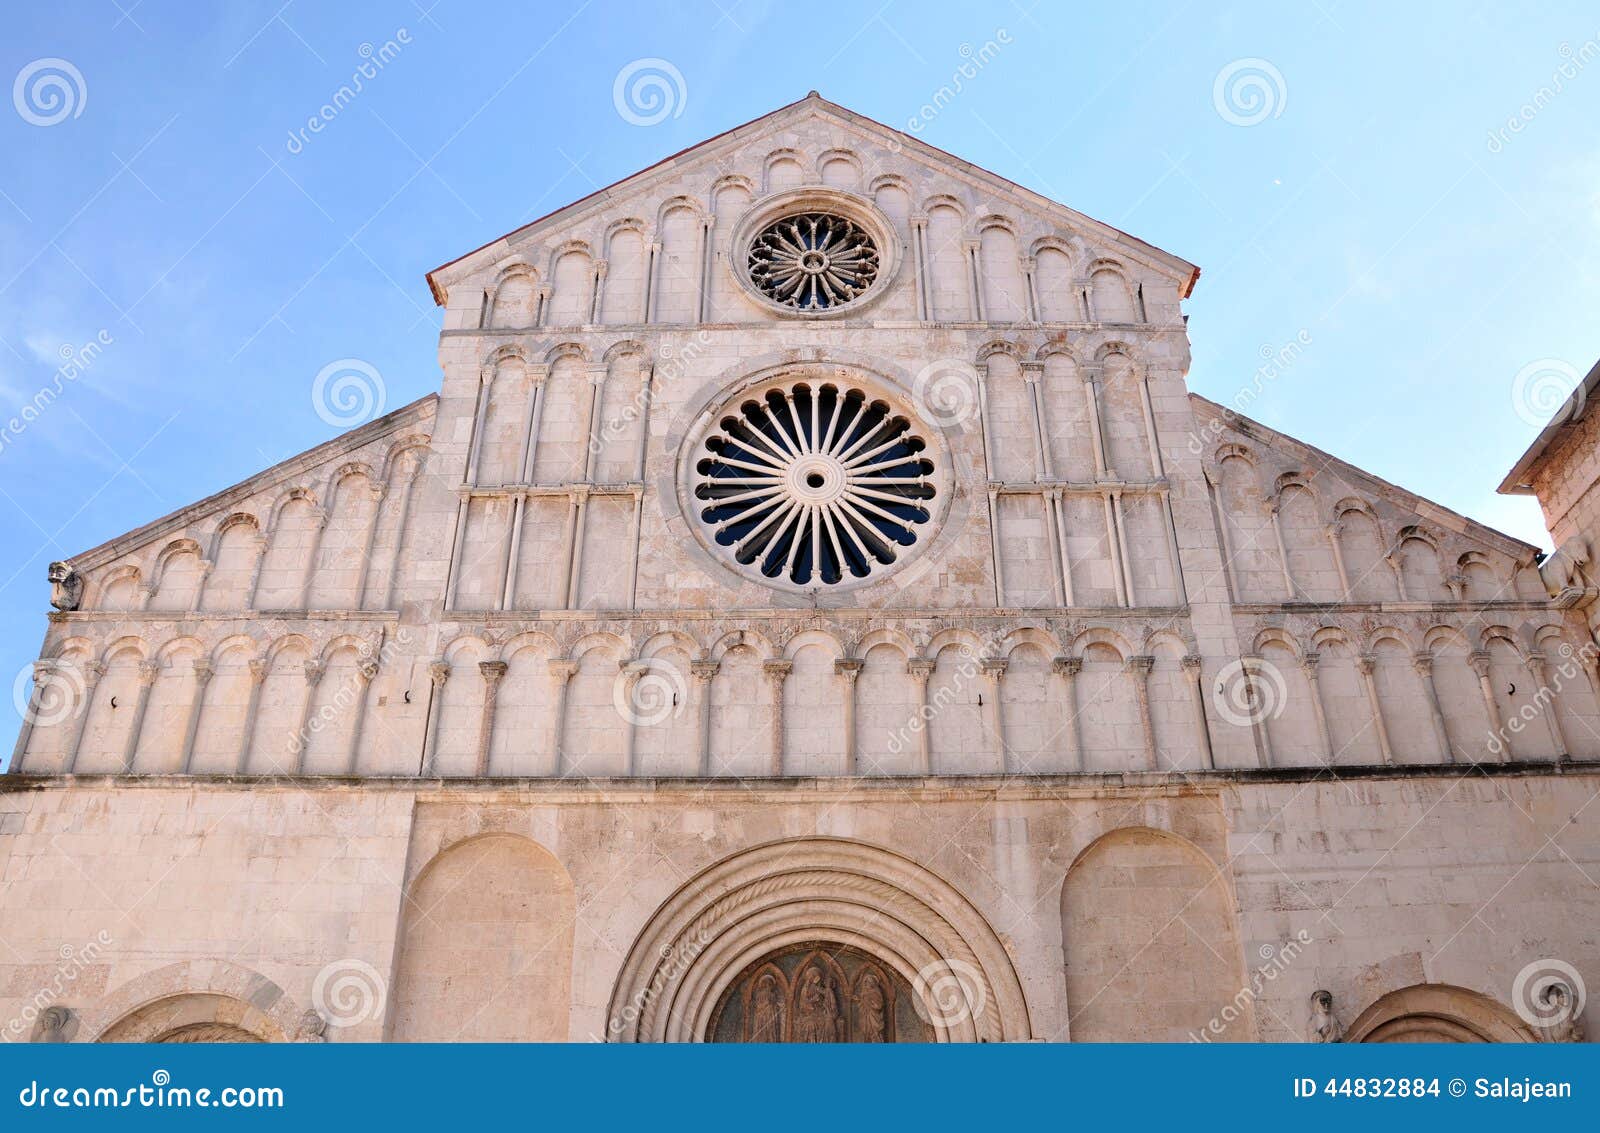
[1380, 213]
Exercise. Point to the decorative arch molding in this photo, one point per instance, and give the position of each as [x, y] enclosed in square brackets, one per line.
[195, 1001]
[827, 889]
[1438, 1013]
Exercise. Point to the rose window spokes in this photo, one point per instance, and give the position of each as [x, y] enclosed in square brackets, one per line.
[813, 261]
[814, 485]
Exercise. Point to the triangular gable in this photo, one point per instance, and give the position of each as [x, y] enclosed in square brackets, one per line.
[295, 466]
[1426, 509]
[812, 105]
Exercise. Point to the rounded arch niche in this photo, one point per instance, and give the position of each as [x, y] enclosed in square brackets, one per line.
[817, 891]
[1437, 1013]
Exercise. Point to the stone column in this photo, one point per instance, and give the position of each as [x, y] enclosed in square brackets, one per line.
[1283, 549]
[1057, 535]
[1543, 688]
[1366, 664]
[1125, 560]
[252, 708]
[1032, 374]
[309, 580]
[580, 497]
[1138, 667]
[401, 522]
[631, 672]
[438, 674]
[1324, 735]
[1253, 703]
[203, 672]
[646, 389]
[1114, 546]
[1479, 660]
[1338, 561]
[921, 668]
[597, 382]
[1194, 670]
[703, 672]
[1152, 438]
[919, 228]
[479, 412]
[491, 672]
[599, 292]
[148, 671]
[1091, 393]
[366, 672]
[994, 546]
[532, 422]
[1031, 286]
[92, 672]
[994, 671]
[1068, 668]
[379, 494]
[206, 567]
[969, 248]
[41, 676]
[1424, 666]
[302, 737]
[262, 542]
[562, 671]
[777, 672]
[850, 669]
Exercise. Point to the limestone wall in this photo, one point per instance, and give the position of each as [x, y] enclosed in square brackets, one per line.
[1127, 911]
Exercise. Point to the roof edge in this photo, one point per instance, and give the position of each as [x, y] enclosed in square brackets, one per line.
[118, 545]
[1517, 482]
[1233, 415]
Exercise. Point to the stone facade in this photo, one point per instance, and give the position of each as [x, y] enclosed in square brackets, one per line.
[1070, 703]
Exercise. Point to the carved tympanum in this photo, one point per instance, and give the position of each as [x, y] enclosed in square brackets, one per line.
[818, 993]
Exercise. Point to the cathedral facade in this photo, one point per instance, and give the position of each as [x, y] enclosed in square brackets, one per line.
[813, 608]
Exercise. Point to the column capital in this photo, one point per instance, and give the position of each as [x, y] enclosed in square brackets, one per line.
[148, 672]
[258, 670]
[1423, 664]
[920, 667]
[848, 667]
[1191, 662]
[314, 671]
[1032, 369]
[367, 670]
[438, 672]
[1366, 663]
[704, 670]
[1067, 666]
[562, 669]
[777, 670]
[204, 670]
[1309, 662]
[492, 671]
[918, 220]
[1479, 660]
[1139, 664]
[993, 666]
[93, 671]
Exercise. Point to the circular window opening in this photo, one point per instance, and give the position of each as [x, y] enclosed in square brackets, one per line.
[813, 484]
[813, 261]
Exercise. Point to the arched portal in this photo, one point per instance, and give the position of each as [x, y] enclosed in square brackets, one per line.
[1438, 1013]
[824, 898]
[816, 992]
